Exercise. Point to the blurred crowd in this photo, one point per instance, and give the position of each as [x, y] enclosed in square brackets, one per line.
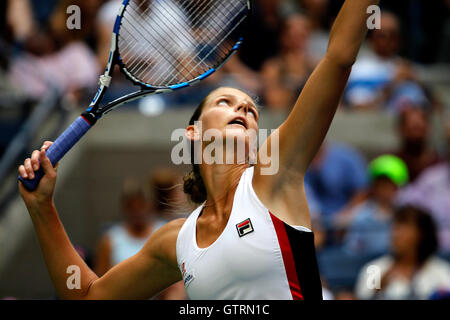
[145, 207]
[285, 41]
[390, 211]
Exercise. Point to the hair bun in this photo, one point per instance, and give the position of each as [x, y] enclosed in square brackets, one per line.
[194, 187]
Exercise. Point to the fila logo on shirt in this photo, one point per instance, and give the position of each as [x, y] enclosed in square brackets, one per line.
[187, 278]
[244, 227]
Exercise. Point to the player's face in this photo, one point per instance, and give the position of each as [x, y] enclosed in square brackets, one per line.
[232, 115]
[229, 108]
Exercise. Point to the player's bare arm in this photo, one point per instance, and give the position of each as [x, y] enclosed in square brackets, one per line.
[145, 274]
[303, 132]
[142, 276]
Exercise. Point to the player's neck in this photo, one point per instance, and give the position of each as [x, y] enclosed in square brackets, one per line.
[221, 182]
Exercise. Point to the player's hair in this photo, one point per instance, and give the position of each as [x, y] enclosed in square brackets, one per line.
[193, 184]
[162, 184]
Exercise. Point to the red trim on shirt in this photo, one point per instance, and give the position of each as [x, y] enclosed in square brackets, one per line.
[288, 258]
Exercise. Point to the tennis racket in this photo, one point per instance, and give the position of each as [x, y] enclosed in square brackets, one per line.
[161, 46]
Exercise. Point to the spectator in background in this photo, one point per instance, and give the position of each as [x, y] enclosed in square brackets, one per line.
[382, 79]
[261, 43]
[16, 27]
[411, 271]
[125, 239]
[423, 24]
[405, 91]
[285, 74]
[336, 175]
[431, 191]
[378, 67]
[263, 34]
[104, 24]
[318, 14]
[368, 223]
[58, 58]
[415, 151]
[43, 9]
[19, 23]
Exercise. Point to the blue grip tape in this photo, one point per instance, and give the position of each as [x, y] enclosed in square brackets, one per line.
[59, 148]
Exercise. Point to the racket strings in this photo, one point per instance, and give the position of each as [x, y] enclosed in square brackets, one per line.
[169, 50]
[201, 21]
[199, 11]
[192, 60]
[217, 46]
[145, 54]
[162, 43]
[203, 36]
[170, 45]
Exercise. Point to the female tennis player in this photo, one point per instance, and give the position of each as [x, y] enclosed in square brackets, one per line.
[250, 238]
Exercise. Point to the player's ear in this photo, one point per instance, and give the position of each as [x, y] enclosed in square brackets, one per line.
[192, 133]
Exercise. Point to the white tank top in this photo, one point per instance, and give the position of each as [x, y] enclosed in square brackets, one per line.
[257, 256]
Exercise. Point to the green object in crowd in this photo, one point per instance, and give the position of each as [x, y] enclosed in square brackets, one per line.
[389, 166]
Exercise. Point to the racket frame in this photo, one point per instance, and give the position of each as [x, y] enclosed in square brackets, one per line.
[95, 112]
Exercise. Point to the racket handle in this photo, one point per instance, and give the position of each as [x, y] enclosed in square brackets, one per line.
[59, 148]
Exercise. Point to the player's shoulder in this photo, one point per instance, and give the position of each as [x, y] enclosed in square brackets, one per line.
[162, 243]
[175, 224]
[170, 230]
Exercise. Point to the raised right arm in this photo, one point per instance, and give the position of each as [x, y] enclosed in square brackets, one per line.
[142, 276]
